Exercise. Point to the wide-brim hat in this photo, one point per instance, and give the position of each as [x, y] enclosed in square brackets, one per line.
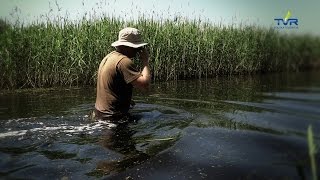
[129, 37]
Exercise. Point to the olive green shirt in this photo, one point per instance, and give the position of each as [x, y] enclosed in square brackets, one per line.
[114, 88]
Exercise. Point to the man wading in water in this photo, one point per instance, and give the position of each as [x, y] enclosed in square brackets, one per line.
[117, 76]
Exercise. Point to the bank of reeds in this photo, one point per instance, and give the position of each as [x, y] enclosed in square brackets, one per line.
[67, 53]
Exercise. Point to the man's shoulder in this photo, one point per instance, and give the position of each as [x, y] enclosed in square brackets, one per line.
[119, 59]
[117, 55]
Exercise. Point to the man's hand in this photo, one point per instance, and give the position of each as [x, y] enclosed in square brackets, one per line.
[143, 81]
[144, 56]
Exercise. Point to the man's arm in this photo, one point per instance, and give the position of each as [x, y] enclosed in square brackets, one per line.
[143, 82]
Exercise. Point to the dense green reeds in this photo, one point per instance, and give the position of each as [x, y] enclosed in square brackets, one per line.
[68, 53]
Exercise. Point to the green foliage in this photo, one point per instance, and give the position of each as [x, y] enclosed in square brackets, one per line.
[3, 25]
[67, 54]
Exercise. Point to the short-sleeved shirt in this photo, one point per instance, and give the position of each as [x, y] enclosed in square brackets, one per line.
[114, 88]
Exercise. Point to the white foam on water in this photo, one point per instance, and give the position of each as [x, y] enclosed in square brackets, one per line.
[63, 128]
[13, 133]
[19, 119]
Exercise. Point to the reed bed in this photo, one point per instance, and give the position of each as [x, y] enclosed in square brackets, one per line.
[68, 53]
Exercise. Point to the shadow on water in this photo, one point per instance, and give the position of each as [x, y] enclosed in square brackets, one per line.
[250, 127]
[213, 152]
[118, 139]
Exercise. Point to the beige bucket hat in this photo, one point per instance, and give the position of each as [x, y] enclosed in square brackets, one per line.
[129, 37]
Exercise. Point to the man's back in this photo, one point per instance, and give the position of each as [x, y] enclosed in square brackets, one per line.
[114, 89]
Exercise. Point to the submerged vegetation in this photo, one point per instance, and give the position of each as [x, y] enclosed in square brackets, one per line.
[68, 53]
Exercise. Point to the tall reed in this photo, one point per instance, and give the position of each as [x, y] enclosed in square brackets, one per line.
[67, 53]
[312, 153]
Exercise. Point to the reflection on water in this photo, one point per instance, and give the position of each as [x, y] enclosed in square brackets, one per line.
[58, 147]
[223, 128]
[119, 139]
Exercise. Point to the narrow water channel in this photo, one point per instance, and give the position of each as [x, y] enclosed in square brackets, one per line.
[236, 127]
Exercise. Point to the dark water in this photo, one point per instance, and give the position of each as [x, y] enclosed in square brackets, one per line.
[224, 128]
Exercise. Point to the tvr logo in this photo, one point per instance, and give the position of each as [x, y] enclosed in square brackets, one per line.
[287, 22]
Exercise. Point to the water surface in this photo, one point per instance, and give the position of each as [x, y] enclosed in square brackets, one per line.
[235, 127]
